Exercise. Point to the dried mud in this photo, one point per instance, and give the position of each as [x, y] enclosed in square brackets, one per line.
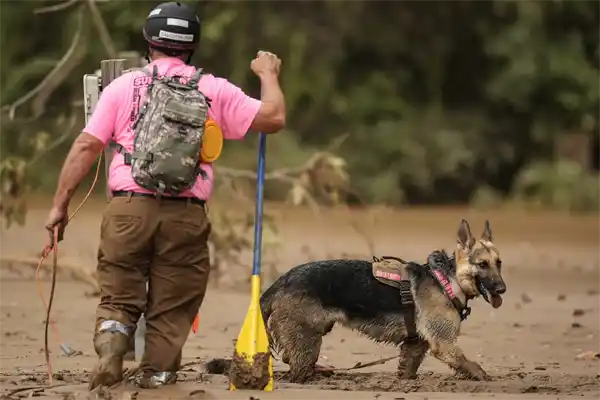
[511, 383]
[542, 343]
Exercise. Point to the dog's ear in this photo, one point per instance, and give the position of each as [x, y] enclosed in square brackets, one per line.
[464, 237]
[487, 232]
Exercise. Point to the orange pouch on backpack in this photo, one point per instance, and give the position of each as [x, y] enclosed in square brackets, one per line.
[212, 142]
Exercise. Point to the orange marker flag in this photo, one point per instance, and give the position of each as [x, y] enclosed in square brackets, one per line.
[196, 322]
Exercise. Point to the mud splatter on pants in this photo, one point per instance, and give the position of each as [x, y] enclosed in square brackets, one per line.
[162, 243]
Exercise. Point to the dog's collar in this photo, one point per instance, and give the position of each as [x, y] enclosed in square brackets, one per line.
[451, 292]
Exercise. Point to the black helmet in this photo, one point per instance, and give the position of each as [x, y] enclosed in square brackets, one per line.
[172, 26]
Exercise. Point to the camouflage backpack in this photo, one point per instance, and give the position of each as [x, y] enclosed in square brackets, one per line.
[168, 135]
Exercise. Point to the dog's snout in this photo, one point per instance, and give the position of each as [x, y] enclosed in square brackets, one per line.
[500, 288]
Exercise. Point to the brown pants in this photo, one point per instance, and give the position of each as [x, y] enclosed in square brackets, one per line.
[163, 243]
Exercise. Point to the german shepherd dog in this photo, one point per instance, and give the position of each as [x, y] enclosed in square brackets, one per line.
[303, 305]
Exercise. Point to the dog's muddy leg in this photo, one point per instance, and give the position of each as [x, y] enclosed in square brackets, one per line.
[323, 369]
[303, 354]
[452, 355]
[412, 353]
[298, 344]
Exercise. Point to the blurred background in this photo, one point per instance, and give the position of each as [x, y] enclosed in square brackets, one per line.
[480, 105]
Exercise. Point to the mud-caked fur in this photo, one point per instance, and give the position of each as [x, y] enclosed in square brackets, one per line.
[303, 305]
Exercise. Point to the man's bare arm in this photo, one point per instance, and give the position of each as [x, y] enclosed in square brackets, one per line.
[82, 155]
[271, 115]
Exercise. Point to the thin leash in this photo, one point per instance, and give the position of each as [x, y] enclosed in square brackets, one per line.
[53, 249]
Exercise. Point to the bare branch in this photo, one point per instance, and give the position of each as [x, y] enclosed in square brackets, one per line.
[70, 60]
[337, 142]
[105, 38]
[48, 81]
[56, 7]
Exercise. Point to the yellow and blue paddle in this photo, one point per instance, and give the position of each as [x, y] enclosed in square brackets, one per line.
[252, 365]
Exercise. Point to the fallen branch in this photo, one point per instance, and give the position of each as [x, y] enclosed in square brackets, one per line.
[360, 365]
[280, 174]
[291, 175]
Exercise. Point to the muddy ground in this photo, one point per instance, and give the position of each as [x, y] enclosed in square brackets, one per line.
[543, 342]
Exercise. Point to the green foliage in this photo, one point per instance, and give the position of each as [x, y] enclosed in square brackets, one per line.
[562, 185]
[442, 101]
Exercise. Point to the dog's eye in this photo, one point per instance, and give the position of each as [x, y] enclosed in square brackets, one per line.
[499, 264]
[484, 264]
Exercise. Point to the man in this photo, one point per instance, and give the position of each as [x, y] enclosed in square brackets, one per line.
[148, 238]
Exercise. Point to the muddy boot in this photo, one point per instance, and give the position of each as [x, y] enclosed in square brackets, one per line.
[150, 380]
[111, 343]
[153, 380]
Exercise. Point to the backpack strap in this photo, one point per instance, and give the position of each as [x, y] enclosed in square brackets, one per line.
[154, 74]
[195, 78]
[127, 156]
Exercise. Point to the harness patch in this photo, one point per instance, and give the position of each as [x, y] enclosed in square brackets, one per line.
[389, 272]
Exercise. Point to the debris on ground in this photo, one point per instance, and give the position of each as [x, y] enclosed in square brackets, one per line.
[588, 356]
[525, 298]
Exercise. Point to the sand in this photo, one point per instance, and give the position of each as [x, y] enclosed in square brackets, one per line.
[542, 343]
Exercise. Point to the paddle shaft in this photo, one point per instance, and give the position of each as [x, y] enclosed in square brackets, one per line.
[258, 217]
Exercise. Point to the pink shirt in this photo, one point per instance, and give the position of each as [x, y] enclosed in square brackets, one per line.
[119, 104]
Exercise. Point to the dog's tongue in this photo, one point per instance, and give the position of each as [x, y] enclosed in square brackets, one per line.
[495, 300]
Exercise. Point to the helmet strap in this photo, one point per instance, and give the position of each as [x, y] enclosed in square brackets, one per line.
[189, 59]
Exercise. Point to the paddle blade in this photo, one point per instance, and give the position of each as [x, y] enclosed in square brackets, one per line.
[196, 323]
[252, 365]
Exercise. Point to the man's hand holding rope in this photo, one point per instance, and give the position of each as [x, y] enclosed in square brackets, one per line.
[55, 224]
